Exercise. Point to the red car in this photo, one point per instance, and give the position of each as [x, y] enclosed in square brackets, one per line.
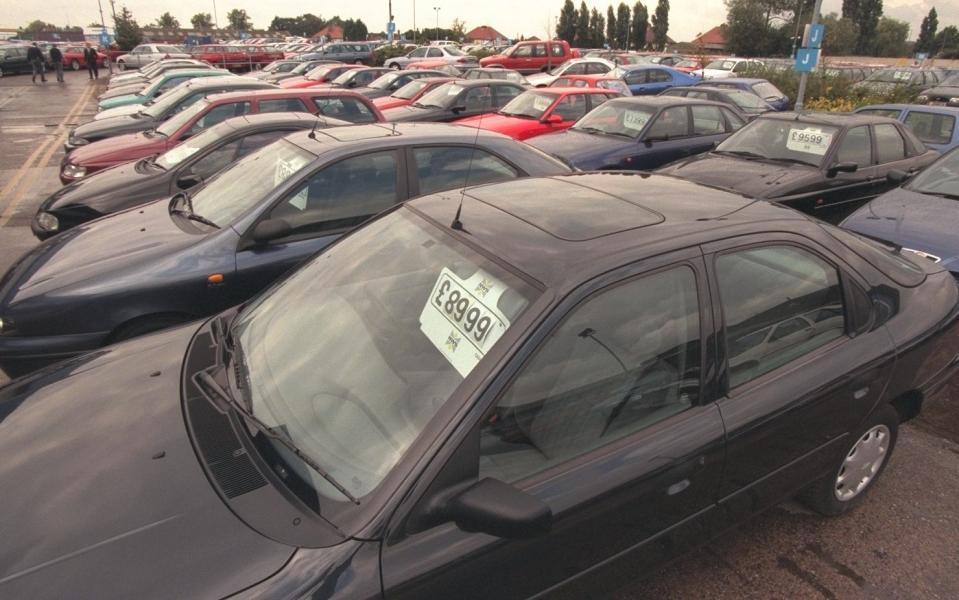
[411, 92]
[531, 57]
[237, 58]
[318, 76]
[539, 111]
[73, 57]
[203, 114]
[593, 81]
[689, 65]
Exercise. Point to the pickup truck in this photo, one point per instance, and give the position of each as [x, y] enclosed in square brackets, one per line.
[531, 57]
[236, 58]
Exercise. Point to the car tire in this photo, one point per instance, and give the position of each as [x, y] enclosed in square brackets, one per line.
[145, 325]
[75, 65]
[121, 65]
[865, 456]
[358, 62]
[1, 73]
[395, 66]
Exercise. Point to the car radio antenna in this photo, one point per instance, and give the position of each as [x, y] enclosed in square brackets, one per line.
[312, 134]
[457, 224]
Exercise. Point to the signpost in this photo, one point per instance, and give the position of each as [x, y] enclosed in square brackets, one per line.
[808, 56]
[806, 60]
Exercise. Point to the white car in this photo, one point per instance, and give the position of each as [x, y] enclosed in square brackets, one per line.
[728, 67]
[145, 54]
[448, 54]
[573, 66]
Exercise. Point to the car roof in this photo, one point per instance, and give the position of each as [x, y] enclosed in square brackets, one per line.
[480, 82]
[659, 101]
[565, 229]
[386, 134]
[282, 93]
[950, 110]
[256, 120]
[556, 91]
[221, 80]
[824, 118]
[746, 80]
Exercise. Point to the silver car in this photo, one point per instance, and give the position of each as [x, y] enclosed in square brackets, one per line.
[145, 54]
[447, 54]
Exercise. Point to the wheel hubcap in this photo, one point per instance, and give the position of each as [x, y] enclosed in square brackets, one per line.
[862, 463]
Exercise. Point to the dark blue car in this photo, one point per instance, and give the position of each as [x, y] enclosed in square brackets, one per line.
[759, 87]
[649, 80]
[936, 126]
[642, 133]
[921, 216]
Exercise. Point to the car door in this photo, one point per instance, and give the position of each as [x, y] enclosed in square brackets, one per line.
[709, 128]
[891, 153]
[522, 59]
[844, 191]
[657, 80]
[636, 81]
[320, 208]
[666, 139]
[602, 416]
[789, 400]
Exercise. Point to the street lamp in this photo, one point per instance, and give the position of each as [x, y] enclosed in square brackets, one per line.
[437, 9]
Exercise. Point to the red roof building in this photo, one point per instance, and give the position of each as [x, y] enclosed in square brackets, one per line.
[485, 33]
[711, 40]
[332, 33]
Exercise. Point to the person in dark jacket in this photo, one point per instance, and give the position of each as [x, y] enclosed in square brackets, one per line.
[90, 57]
[35, 56]
[56, 57]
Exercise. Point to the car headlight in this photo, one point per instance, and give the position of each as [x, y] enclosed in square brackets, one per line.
[48, 222]
[1, 325]
[74, 171]
[922, 99]
[954, 100]
[78, 141]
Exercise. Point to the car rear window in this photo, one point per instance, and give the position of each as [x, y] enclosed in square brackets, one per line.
[931, 128]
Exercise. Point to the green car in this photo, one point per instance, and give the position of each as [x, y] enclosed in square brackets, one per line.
[158, 85]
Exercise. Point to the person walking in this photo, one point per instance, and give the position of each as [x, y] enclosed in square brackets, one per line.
[56, 57]
[90, 57]
[35, 56]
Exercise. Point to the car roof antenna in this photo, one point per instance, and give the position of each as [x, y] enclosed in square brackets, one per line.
[457, 224]
[312, 134]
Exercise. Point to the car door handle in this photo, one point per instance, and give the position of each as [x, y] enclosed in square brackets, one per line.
[861, 393]
[677, 487]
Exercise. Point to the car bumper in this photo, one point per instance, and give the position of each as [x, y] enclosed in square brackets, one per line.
[20, 355]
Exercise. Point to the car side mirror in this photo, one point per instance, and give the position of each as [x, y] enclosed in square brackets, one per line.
[842, 167]
[896, 176]
[270, 229]
[458, 109]
[496, 508]
[552, 120]
[188, 180]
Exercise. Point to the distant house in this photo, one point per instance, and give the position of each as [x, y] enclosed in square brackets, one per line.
[485, 33]
[711, 41]
[330, 33]
[651, 38]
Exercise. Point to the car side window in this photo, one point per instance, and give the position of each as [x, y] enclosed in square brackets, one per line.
[441, 168]
[671, 123]
[576, 69]
[435, 53]
[418, 53]
[478, 98]
[779, 304]
[505, 93]
[636, 77]
[735, 121]
[282, 105]
[341, 195]
[255, 141]
[856, 147]
[557, 50]
[889, 144]
[571, 107]
[219, 114]
[523, 52]
[623, 360]
[707, 120]
[596, 69]
[170, 84]
[214, 161]
[346, 109]
[931, 127]
[659, 76]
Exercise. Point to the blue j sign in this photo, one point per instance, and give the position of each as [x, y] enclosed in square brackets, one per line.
[813, 35]
[806, 59]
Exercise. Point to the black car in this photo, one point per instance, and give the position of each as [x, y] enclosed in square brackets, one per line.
[393, 80]
[13, 59]
[201, 251]
[824, 164]
[145, 117]
[748, 104]
[185, 166]
[456, 100]
[641, 133]
[302, 68]
[492, 394]
[357, 78]
[944, 94]
[922, 216]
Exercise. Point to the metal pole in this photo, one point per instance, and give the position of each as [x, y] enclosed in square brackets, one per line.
[804, 76]
[415, 33]
[437, 9]
[216, 21]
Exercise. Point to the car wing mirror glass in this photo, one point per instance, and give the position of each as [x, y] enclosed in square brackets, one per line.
[458, 109]
[552, 119]
[842, 167]
[496, 508]
[270, 229]
[188, 180]
[897, 176]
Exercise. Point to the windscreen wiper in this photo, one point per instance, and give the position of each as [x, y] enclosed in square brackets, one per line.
[207, 385]
[742, 154]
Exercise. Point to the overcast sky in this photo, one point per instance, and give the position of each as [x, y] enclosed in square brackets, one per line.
[509, 17]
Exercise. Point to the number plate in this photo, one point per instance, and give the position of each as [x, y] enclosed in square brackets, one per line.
[461, 317]
[809, 140]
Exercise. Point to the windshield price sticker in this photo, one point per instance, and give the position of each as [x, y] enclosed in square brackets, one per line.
[461, 318]
[902, 75]
[542, 102]
[180, 153]
[809, 140]
[634, 119]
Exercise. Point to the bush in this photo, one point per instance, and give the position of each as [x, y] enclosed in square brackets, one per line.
[481, 53]
[384, 53]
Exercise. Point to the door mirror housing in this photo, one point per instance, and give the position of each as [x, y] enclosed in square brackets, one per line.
[496, 508]
[459, 108]
[270, 229]
[188, 180]
[897, 176]
[842, 167]
[552, 119]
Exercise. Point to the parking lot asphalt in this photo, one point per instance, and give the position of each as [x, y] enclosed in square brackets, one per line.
[903, 542]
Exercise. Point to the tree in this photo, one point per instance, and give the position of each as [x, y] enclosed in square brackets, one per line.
[661, 24]
[566, 26]
[582, 26]
[610, 27]
[38, 26]
[167, 21]
[850, 9]
[304, 25]
[947, 42]
[868, 22]
[125, 29]
[840, 37]
[597, 25]
[622, 26]
[927, 32]
[750, 29]
[890, 39]
[202, 21]
[239, 21]
[355, 31]
[640, 25]
[459, 29]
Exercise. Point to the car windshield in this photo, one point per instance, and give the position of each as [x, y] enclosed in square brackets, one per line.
[167, 101]
[951, 80]
[384, 81]
[721, 65]
[442, 97]
[616, 118]
[302, 68]
[188, 148]
[454, 51]
[410, 90]
[746, 100]
[562, 67]
[319, 72]
[346, 77]
[890, 76]
[776, 139]
[530, 105]
[169, 49]
[687, 64]
[941, 178]
[174, 123]
[244, 183]
[353, 354]
[764, 89]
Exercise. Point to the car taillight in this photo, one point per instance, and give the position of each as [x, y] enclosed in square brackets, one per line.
[465, 59]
